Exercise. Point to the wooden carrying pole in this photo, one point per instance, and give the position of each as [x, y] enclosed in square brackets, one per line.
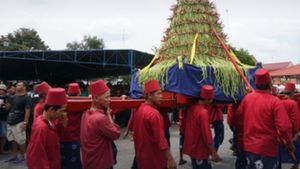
[232, 60]
[292, 155]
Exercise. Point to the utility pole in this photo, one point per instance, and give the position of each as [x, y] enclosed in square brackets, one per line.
[298, 48]
[227, 19]
[123, 38]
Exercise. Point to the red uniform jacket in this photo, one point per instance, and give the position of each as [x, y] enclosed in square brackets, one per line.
[44, 149]
[265, 118]
[182, 120]
[215, 113]
[197, 136]
[231, 109]
[96, 136]
[72, 131]
[38, 109]
[292, 109]
[235, 119]
[149, 138]
[166, 119]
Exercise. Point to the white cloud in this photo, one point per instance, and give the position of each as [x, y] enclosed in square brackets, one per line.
[269, 29]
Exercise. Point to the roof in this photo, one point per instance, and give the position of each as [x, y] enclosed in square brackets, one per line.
[277, 66]
[67, 66]
[290, 71]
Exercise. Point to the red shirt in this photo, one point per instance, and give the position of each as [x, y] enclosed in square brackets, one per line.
[149, 138]
[265, 118]
[231, 109]
[292, 109]
[215, 113]
[236, 119]
[164, 114]
[72, 131]
[38, 109]
[130, 124]
[299, 114]
[96, 136]
[197, 136]
[182, 120]
[43, 151]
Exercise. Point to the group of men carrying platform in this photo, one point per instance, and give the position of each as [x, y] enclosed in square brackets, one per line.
[261, 121]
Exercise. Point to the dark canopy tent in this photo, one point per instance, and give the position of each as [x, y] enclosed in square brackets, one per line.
[66, 66]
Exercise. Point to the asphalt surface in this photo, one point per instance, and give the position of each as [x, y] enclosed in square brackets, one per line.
[126, 153]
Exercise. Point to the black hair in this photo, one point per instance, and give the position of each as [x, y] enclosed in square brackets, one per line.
[42, 95]
[263, 86]
[55, 107]
[287, 92]
[72, 94]
[24, 83]
[147, 95]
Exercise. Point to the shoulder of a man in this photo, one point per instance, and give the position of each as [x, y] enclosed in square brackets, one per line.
[98, 116]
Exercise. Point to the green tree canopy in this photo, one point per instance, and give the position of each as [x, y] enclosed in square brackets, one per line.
[244, 56]
[88, 42]
[22, 39]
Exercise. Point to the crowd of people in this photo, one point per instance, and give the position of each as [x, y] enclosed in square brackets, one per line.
[265, 128]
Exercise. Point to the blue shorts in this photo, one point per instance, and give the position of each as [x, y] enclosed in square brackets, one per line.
[256, 161]
[201, 164]
[3, 129]
[70, 154]
[181, 140]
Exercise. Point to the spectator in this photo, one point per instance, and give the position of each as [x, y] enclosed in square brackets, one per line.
[4, 107]
[17, 120]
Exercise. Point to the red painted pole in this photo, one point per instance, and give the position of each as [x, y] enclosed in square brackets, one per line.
[232, 60]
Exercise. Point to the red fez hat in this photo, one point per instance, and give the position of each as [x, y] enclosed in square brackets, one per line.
[42, 88]
[262, 76]
[289, 86]
[207, 92]
[274, 91]
[151, 86]
[98, 87]
[73, 88]
[56, 96]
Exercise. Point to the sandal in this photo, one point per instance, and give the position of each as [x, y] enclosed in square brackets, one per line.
[12, 159]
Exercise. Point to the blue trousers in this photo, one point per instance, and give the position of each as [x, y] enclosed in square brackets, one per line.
[256, 161]
[201, 164]
[219, 133]
[70, 153]
[241, 160]
[115, 152]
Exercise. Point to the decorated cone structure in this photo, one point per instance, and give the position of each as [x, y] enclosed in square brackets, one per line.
[195, 39]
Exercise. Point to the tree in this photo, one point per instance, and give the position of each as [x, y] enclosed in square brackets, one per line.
[88, 42]
[74, 45]
[22, 39]
[244, 56]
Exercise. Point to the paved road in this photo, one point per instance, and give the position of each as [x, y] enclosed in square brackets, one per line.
[126, 153]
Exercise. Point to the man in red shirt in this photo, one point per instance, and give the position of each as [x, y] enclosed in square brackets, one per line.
[292, 109]
[235, 121]
[98, 130]
[182, 123]
[216, 119]
[43, 150]
[266, 120]
[70, 135]
[151, 147]
[198, 143]
[41, 90]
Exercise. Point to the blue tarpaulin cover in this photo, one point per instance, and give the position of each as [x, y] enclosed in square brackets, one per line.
[188, 80]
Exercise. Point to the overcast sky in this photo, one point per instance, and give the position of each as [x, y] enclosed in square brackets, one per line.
[269, 29]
